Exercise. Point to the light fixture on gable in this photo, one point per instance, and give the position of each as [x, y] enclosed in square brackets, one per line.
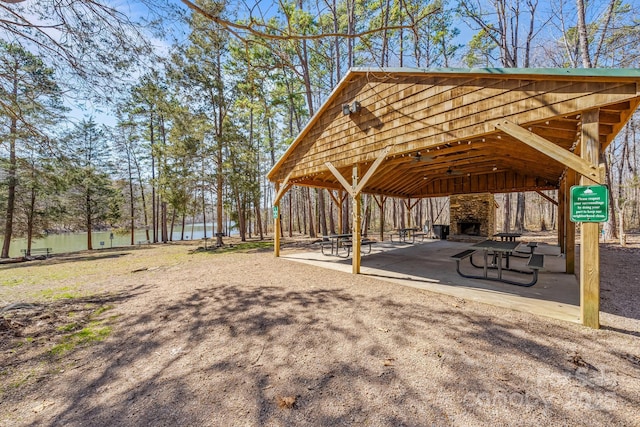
[347, 109]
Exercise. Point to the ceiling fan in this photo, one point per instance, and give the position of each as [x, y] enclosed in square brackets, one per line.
[453, 172]
[419, 157]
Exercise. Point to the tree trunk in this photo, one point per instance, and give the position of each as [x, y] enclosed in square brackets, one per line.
[31, 215]
[203, 200]
[583, 35]
[506, 226]
[219, 198]
[184, 218]
[290, 214]
[322, 212]
[312, 229]
[520, 212]
[131, 196]
[144, 200]
[241, 215]
[609, 227]
[173, 223]
[11, 174]
[165, 231]
[259, 229]
[367, 215]
[88, 219]
[154, 218]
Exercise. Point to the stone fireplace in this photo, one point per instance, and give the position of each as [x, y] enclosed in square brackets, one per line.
[472, 217]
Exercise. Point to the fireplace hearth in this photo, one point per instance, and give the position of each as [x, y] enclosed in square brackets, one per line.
[469, 228]
[472, 217]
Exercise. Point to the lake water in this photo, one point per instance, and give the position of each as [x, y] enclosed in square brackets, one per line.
[71, 242]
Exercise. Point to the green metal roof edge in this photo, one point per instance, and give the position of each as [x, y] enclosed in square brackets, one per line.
[577, 72]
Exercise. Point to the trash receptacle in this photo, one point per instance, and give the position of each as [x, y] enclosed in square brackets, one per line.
[441, 231]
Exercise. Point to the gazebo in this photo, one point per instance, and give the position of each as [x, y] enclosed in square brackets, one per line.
[416, 133]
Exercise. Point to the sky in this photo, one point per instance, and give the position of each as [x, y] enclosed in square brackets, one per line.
[175, 31]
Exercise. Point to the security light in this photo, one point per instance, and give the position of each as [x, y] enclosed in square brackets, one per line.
[347, 109]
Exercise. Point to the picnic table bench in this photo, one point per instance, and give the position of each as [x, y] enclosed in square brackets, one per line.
[334, 242]
[38, 251]
[531, 246]
[421, 235]
[535, 263]
[364, 242]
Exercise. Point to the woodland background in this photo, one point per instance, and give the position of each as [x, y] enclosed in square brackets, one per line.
[152, 115]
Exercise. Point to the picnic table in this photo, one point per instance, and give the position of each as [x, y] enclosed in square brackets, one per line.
[334, 241]
[501, 250]
[405, 233]
[509, 237]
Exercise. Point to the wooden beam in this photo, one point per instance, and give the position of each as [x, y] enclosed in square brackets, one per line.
[283, 189]
[355, 239]
[410, 207]
[341, 179]
[380, 202]
[589, 231]
[376, 164]
[276, 227]
[570, 160]
[544, 196]
[334, 198]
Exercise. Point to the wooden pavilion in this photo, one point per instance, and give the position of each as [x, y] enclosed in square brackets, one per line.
[414, 133]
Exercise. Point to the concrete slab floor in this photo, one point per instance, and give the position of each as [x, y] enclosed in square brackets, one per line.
[428, 265]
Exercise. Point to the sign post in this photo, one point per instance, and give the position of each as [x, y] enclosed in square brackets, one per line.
[275, 212]
[589, 203]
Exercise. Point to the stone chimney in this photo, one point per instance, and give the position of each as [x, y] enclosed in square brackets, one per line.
[472, 217]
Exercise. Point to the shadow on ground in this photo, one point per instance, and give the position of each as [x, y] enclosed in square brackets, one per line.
[64, 259]
[350, 355]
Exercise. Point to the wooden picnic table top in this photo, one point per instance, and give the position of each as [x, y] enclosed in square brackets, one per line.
[508, 236]
[497, 245]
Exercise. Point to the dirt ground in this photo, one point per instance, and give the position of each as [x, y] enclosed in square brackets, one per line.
[168, 335]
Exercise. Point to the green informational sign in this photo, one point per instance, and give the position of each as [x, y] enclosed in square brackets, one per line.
[589, 203]
[275, 212]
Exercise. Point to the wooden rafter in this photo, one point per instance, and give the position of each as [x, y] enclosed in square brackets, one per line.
[550, 149]
[544, 196]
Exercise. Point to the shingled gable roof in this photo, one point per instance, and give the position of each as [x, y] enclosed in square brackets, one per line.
[448, 131]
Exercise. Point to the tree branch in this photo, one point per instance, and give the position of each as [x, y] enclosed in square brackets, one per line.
[233, 27]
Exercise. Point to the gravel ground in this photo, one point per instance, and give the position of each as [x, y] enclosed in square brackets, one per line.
[182, 337]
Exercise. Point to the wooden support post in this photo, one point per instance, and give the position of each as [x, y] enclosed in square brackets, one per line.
[569, 227]
[410, 207]
[589, 231]
[561, 217]
[276, 225]
[357, 204]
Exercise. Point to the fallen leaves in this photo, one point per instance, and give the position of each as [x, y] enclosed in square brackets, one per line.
[579, 362]
[286, 402]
